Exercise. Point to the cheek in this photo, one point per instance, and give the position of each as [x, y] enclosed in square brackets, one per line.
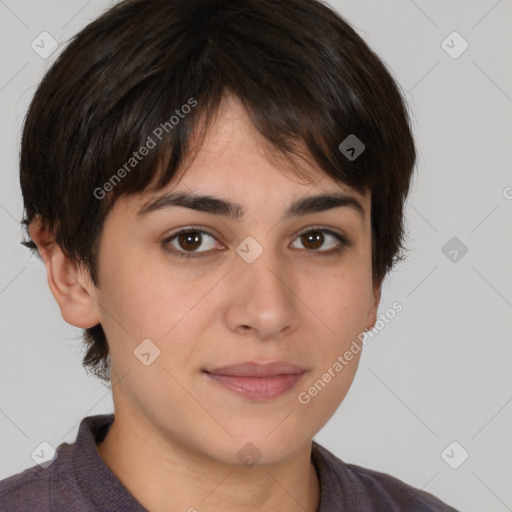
[341, 303]
[340, 300]
[321, 395]
[136, 300]
[144, 300]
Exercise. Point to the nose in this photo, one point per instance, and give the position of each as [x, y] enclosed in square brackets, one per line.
[263, 298]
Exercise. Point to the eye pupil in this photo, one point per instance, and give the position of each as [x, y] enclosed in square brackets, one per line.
[190, 240]
[314, 238]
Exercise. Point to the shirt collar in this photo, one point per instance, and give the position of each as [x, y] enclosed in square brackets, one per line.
[106, 492]
[95, 478]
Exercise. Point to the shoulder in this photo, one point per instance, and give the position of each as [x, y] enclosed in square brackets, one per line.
[359, 488]
[397, 493]
[32, 488]
[26, 489]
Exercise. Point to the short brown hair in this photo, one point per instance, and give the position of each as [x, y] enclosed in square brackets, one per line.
[301, 71]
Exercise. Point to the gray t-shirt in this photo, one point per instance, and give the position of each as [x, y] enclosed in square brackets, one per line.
[78, 479]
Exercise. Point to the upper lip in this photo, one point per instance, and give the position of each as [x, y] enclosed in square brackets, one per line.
[253, 369]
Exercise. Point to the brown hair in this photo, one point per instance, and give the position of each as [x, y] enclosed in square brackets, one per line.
[302, 73]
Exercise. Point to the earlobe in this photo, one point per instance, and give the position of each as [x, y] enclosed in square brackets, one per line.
[374, 306]
[68, 282]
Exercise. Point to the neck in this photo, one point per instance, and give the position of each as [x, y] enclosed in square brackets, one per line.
[164, 475]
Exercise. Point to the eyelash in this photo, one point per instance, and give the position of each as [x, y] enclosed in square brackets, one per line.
[344, 242]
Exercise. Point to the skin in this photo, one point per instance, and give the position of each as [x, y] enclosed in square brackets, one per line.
[176, 434]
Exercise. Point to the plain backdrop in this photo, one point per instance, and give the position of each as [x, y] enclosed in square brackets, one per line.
[439, 372]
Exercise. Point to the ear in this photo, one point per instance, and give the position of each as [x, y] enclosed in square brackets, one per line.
[374, 306]
[69, 283]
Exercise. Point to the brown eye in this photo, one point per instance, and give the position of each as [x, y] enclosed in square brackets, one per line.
[315, 238]
[186, 242]
[189, 240]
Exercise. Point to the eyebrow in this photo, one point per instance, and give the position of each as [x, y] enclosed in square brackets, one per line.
[235, 211]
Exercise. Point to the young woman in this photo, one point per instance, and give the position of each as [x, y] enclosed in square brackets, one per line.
[216, 189]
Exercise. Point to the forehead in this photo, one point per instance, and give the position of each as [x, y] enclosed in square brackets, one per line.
[235, 165]
[234, 152]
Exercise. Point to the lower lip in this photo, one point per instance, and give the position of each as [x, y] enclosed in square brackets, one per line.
[258, 388]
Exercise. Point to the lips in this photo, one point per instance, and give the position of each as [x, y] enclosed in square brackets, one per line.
[253, 369]
[257, 382]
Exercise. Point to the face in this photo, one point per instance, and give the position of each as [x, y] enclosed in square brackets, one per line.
[206, 290]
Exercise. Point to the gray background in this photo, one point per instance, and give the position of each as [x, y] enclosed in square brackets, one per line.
[440, 371]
